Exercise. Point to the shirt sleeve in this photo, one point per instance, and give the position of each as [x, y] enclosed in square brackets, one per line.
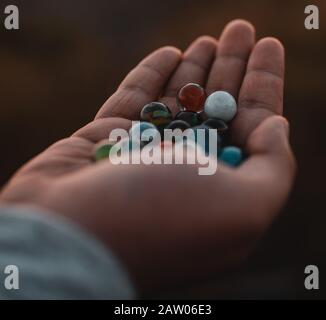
[55, 259]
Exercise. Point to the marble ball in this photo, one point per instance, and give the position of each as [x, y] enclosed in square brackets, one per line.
[192, 118]
[175, 136]
[231, 156]
[156, 113]
[102, 151]
[202, 116]
[178, 124]
[143, 131]
[221, 105]
[204, 144]
[217, 124]
[191, 97]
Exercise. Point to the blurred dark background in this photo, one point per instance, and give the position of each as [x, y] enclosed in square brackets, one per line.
[69, 56]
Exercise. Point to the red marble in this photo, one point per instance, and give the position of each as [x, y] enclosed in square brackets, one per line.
[191, 97]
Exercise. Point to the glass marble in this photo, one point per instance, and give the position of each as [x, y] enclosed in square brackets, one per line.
[178, 124]
[191, 97]
[217, 124]
[156, 113]
[127, 145]
[202, 116]
[206, 142]
[231, 156]
[102, 151]
[143, 131]
[192, 118]
[221, 105]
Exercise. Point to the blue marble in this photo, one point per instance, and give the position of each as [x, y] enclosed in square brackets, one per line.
[139, 131]
[231, 156]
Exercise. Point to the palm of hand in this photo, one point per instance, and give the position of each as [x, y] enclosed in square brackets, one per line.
[160, 221]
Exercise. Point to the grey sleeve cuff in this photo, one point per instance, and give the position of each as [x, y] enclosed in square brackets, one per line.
[56, 259]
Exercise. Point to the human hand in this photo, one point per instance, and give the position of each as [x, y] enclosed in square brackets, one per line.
[166, 223]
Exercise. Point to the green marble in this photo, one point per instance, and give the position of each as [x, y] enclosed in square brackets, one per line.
[102, 152]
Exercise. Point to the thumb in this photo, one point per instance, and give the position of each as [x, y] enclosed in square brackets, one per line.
[270, 154]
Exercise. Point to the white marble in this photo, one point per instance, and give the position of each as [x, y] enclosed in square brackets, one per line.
[221, 105]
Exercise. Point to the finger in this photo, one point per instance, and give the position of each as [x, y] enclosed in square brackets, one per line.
[235, 45]
[194, 67]
[142, 85]
[100, 129]
[65, 156]
[271, 162]
[261, 94]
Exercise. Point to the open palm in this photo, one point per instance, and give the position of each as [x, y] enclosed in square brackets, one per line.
[166, 223]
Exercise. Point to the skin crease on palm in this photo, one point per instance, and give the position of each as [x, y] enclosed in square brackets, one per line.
[168, 225]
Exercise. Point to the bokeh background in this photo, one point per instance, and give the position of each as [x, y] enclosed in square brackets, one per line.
[69, 56]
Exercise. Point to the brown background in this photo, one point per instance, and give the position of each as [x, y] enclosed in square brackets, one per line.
[69, 56]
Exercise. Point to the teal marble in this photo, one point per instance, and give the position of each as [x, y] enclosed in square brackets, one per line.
[231, 156]
[142, 131]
